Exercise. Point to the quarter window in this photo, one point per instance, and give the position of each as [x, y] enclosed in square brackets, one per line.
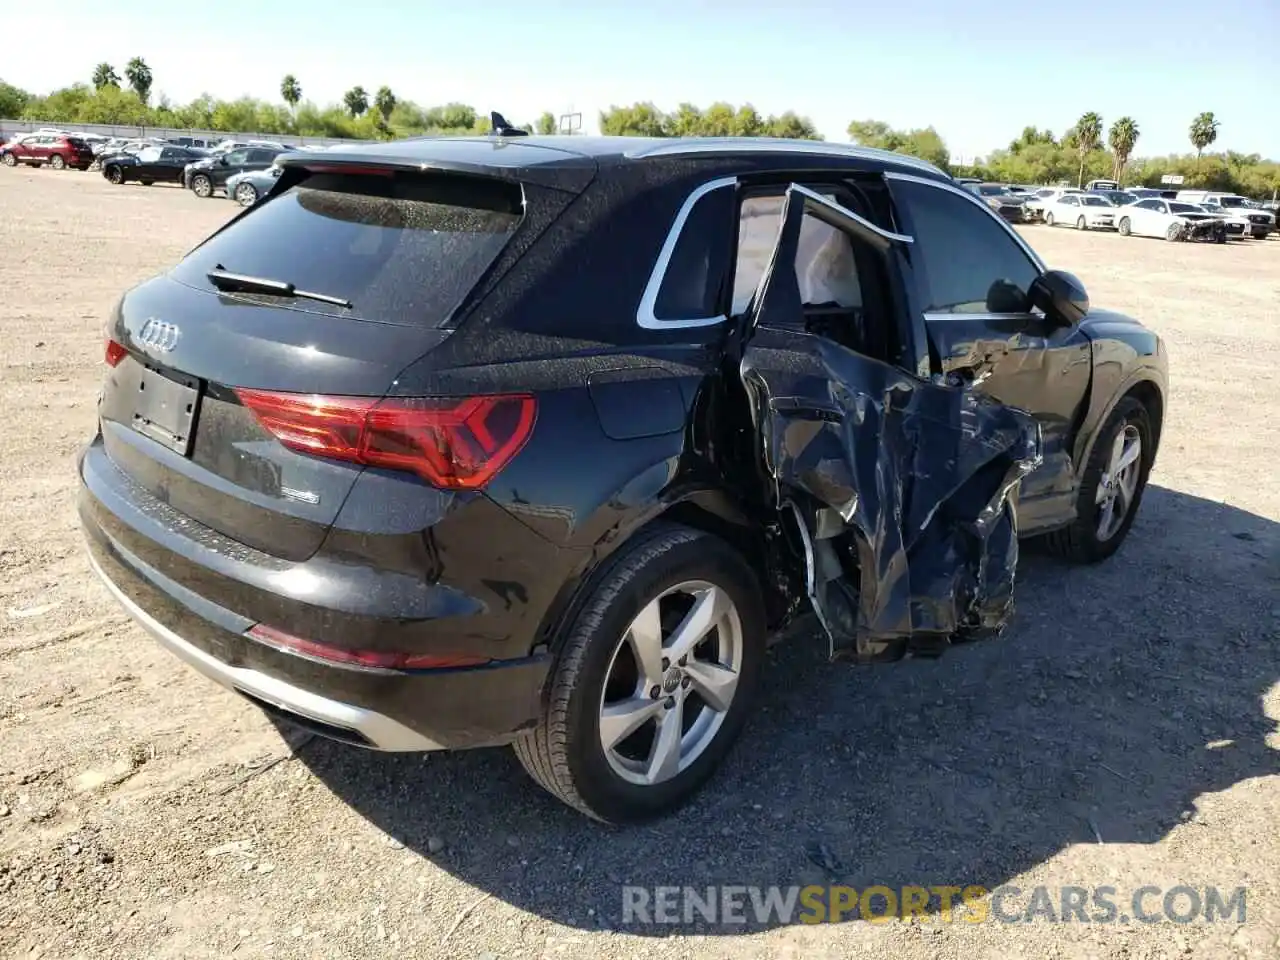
[695, 274]
[964, 259]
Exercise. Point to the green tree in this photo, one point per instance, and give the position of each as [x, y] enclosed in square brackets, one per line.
[139, 76]
[637, 120]
[104, 75]
[1087, 137]
[685, 122]
[12, 100]
[291, 92]
[924, 142]
[1030, 137]
[1204, 131]
[1123, 137]
[546, 124]
[384, 102]
[356, 101]
[791, 126]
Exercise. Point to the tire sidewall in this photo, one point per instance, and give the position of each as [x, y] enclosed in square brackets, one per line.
[1126, 228]
[1127, 411]
[703, 557]
[198, 179]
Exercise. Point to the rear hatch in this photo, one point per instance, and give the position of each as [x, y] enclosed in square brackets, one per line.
[210, 377]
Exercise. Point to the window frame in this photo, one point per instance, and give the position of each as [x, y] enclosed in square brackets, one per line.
[920, 274]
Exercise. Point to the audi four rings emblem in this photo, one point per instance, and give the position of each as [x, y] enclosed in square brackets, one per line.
[159, 335]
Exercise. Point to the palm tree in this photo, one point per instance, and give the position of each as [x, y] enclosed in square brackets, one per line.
[1204, 130]
[104, 75]
[139, 75]
[356, 100]
[1088, 131]
[291, 91]
[384, 101]
[1123, 138]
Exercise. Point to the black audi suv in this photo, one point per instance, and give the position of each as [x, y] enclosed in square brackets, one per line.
[451, 443]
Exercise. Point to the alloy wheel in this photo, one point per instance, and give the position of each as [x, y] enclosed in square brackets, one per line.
[202, 186]
[1118, 485]
[10, 160]
[115, 176]
[671, 682]
[57, 162]
[246, 196]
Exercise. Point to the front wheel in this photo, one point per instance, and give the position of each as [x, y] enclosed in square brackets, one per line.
[57, 162]
[246, 194]
[653, 679]
[1081, 225]
[1174, 233]
[1125, 228]
[115, 175]
[202, 186]
[1111, 488]
[1048, 219]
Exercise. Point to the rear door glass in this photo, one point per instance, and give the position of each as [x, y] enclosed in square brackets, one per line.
[403, 249]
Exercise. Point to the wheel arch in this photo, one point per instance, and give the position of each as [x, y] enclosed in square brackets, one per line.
[707, 509]
[1142, 385]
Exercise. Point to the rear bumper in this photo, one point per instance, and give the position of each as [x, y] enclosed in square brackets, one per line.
[398, 710]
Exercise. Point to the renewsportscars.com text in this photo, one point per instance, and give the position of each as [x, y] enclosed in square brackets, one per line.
[731, 905]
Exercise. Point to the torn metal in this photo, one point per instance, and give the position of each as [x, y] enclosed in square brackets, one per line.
[900, 487]
[903, 483]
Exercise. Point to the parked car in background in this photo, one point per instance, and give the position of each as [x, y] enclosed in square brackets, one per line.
[1084, 211]
[248, 187]
[1261, 221]
[1118, 197]
[1170, 220]
[150, 164]
[206, 176]
[329, 461]
[1037, 205]
[1000, 199]
[1146, 193]
[57, 150]
[197, 143]
[1238, 227]
[1101, 186]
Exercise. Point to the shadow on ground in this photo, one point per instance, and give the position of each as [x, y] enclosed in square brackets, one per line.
[1093, 713]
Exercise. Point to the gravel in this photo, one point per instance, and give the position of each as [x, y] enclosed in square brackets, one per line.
[1123, 731]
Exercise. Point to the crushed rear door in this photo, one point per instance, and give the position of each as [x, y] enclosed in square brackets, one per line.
[899, 486]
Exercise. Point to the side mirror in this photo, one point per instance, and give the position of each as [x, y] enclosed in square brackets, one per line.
[222, 160]
[1061, 296]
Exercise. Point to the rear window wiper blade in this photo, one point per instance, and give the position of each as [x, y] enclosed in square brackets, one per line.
[243, 283]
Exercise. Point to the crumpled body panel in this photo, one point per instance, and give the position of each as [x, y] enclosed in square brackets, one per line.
[919, 472]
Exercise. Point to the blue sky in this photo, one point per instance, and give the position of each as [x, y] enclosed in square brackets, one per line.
[978, 70]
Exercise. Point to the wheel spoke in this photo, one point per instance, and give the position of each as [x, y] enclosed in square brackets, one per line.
[645, 637]
[619, 720]
[664, 758]
[1132, 450]
[1104, 520]
[1104, 489]
[714, 683]
[708, 610]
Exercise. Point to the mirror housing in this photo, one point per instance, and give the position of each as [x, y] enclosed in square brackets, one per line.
[1061, 296]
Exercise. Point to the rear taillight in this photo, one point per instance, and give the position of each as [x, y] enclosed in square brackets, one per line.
[455, 444]
[366, 659]
[115, 353]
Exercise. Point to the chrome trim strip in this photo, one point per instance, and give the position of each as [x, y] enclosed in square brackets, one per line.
[819, 199]
[937, 184]
[645, 315]
[383, 732]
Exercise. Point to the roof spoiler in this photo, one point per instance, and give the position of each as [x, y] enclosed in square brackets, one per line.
[501, 128]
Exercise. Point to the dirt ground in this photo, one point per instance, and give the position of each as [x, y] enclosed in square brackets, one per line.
[1123, 732]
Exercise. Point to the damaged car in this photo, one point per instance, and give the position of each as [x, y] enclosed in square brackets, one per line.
[451, 443]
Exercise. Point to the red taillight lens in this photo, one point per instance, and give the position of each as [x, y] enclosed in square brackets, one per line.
[453, 444]
[115, 353]
[369, 659]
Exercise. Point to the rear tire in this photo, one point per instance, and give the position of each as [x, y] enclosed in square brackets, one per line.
[57, 162]
[1089, 539]
[10, 160]
[146, 183]
[597, 672]
[1125, 228]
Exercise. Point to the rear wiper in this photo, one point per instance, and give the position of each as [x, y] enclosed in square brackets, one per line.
[243, 283]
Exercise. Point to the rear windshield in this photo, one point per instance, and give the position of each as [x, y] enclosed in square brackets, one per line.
[403, 249]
